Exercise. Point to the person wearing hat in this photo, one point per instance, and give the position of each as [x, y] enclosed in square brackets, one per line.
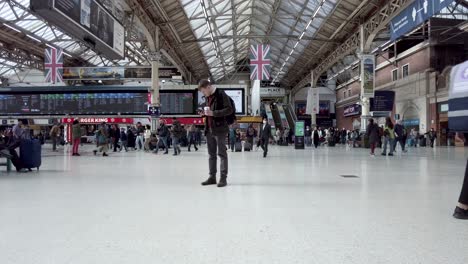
[218, 107]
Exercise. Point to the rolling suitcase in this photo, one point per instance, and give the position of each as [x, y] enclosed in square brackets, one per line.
[238, 147]
[30, 153]
[247, 146]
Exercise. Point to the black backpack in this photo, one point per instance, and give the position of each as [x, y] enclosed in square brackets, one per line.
[230, 119]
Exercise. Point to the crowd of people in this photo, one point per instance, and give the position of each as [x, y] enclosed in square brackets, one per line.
[140, 138]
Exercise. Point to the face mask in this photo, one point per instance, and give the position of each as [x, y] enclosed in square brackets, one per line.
[264, 122]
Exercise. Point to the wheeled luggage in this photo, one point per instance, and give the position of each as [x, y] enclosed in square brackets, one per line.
[247, 146]
[30, 153]
[238, 147]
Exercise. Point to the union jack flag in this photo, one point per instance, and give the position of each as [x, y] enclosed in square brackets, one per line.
[53, 65]
[260, 62]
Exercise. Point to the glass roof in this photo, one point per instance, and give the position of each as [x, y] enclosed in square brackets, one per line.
[15, 15]
[237, 24]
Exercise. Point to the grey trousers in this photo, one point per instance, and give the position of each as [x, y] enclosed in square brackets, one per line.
[217, 146]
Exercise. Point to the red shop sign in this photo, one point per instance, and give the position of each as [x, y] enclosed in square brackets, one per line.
[98, 120]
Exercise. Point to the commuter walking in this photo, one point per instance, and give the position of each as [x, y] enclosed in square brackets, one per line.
[432, 136]
[124, 140]
[55, 135]
[265, 136]
[115, 137]
[461, 210]
[177, 132]
[232, 137]
[251, 134]
[140, 132]
[400, 136]
[308, 136]
[372, 135]
[102, 140]
[163, 133]
[192, 137]
[389, 137]
[147, 136]
[131, 138]
[316, 137]
[219, 113]
[76, 136]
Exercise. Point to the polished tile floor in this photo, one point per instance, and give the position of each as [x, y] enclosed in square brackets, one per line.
[293, 207]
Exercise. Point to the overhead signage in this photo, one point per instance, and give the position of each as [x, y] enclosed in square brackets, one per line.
[86, 20]
[352, 110]
[410, 122]
[116, 73]
[367, 75]
[383, 101]
[154, 111]
[272, 92]
[99, 120]
[414, 15]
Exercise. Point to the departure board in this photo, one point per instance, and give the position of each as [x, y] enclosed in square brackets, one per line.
[73, 104]
[177, 103]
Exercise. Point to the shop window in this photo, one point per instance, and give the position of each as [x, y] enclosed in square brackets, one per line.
[394, 75]
[405, 71]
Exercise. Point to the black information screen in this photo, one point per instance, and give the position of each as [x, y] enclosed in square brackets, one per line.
[73, 103]
[177, 103]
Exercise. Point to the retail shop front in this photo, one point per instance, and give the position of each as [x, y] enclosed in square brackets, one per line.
[349, 117]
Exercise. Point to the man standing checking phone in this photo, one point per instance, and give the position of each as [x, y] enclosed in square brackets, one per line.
[217, 112]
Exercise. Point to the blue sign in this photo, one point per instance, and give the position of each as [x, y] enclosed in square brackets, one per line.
[154, 111]
[410, 122]
[383, 101]
[414, 15]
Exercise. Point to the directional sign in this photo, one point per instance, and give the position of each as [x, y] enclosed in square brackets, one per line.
[414, 15]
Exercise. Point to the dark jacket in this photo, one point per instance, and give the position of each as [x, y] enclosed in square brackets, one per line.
[316, 136]
[373, 133]
[163, 131]
[177, 130]
[123, 136]
[221, 107]
[265, 133]
[399, 130]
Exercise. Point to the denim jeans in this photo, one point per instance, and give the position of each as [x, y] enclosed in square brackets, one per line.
[390, 142]
[164, 141]
[175, 144]
[139, 144]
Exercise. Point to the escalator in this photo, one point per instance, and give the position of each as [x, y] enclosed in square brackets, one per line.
[270, 117]
[290, 115]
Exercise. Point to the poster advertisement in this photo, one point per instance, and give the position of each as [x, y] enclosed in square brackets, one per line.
[324, 109]
[85, 16]
[313, 101]
[367, 75]
[102, 24]
[237, 95]
[93, 73]
[301, 110]
[71, 8]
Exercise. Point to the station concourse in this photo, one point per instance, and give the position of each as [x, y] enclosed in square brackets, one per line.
[264, 131]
